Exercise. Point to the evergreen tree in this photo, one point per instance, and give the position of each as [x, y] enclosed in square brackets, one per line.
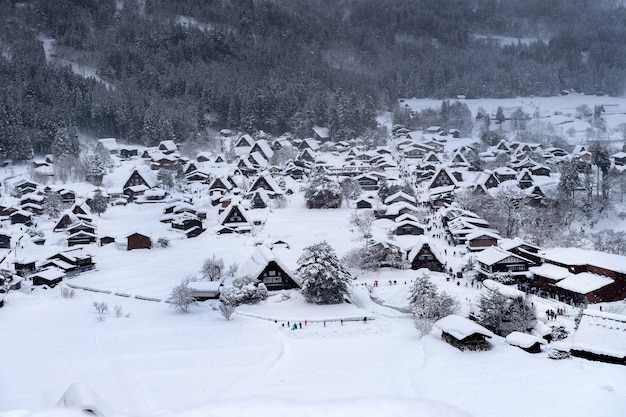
[66, 142]
[98, 203]
[52, 205]
[324, 278]
[94, 169]
[493, 308]
[500, 118]
[323, 192]
[503, 315]
[570, 179]
[520, 316]
[427, 304]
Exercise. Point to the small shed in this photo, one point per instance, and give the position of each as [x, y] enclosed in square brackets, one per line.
[464, 334]
[138, 241]
[525, 341]
[205, 290]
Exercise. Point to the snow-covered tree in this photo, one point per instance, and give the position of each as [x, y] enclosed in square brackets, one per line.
[226, 309]
[66, 142]
[325, 280]
[98, 204]
[351, 189]
[166, 177]
[428, 305]
[213, 268]
[323, 192]
[503, 315]
[182, 298]
[492, 310]
[364, 222]
[520, 316]
[94, 169]
[570, 179]
[52, 205]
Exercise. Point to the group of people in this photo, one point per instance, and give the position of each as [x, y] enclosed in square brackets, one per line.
[552, 315]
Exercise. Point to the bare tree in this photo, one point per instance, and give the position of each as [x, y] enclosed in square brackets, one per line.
[182, 298]
[213, 268]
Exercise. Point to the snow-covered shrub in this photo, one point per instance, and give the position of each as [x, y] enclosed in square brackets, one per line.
[324, 192]
[163, 242]
[182, 298]
[559, 333]
[504, 278]
[503, 315]
[67, 292]
[101, 307]
[284, 295]
[558, 354]
[244, 292]
[226, 310]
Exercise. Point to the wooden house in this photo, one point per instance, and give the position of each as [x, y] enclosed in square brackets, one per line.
[139, 181]
[167, 147]
[367, 181]
[21, 217]
[408, 227]
[128, 152]
[244, 141]
[366, 202]
[321, 134]
[138, 241]
[268, 183]
[234, 219]
[72, 261]
[105, 240]
[481, 239]
[267, 268]
[464, 334]
[442, 178]
[261, 146]
[619, 159]
[67, 196]
[260, 199]
[50, 276]
[81, 237]
[495, 260]
[424, 256]
[24, 266]
[525, 179]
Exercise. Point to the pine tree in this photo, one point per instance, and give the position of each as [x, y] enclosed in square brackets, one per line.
[427, 304]
[52, 205]
[570, 179]
[324, 278]
[94, 169]
[493, 308]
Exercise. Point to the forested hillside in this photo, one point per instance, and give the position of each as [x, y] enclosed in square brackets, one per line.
[181, 68]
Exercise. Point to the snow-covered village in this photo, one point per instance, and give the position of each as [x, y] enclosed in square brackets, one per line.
[302, 270]
[312, 208]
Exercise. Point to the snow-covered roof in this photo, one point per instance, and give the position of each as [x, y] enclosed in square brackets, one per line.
[523, 340]
[460, 327]
[505, 290]
[259, 260]
[584, 283]
[550, 271]
[577, 256]
[493, 254]
[481, 232]
[110, 144]
[601, 333]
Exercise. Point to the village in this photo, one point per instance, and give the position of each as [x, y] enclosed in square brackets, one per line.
[249, 204]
